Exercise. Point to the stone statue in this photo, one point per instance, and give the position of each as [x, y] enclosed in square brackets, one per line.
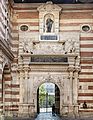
[49, 23]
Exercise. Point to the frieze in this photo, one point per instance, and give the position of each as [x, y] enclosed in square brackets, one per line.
[49, 48]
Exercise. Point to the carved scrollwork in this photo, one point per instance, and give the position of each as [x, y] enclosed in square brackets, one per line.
[56, 79]
[70, 46]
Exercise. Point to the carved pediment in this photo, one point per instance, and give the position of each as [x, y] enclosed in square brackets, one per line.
[49, 6]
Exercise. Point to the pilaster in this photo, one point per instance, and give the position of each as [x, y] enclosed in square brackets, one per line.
[21, 81]
[75, 91]
[75, 85]
[26, 77]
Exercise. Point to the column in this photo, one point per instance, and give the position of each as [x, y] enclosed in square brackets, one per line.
[71, 69]
[75, 87]
[70, 107]
[26, 83]
[21, 87]
[75, 91]
[21, 80]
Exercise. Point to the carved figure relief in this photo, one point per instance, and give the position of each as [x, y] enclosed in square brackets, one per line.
[70, 46]
[27, 46]
[50, 48]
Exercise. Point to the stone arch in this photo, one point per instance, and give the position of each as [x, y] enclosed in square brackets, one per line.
[48, 78]
[48, 82]
[57, 98]
[50, 16]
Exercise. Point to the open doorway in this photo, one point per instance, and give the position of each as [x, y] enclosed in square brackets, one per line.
[47, 95]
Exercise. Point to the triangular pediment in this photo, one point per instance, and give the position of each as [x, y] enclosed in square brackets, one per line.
[49, 6]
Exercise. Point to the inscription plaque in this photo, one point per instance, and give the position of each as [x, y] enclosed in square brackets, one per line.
[49, 37]
[48, 59]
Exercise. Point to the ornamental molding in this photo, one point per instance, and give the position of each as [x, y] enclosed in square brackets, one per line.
[51, 78]
[49, 7]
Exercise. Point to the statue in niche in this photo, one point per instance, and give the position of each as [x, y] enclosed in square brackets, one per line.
[49, 24]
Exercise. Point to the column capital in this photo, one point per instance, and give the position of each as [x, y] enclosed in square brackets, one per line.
[20, 67]
[77, 69]
[26, 67]
[71, 69]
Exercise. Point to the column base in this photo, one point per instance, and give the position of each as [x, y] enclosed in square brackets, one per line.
[2, 117]
[26, 110]
[69, 111]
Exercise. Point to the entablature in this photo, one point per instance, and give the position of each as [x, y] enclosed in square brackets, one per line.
[27, 58]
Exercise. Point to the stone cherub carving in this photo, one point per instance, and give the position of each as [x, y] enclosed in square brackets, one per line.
[27, 46]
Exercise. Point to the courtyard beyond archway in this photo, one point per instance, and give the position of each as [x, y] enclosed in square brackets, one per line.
[48, 95]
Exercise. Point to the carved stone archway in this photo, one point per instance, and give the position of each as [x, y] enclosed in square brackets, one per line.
[64, 75]
[56, 97]
[49, 78]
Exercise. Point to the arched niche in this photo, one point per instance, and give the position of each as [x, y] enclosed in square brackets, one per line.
[49, 9]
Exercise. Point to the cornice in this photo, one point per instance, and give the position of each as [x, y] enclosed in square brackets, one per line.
[64, 55]
[63, 6]
[49, 68]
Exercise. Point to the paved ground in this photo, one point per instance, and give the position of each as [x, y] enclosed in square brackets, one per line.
[47, 116]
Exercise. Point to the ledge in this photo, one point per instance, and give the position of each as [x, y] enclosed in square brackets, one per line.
[63, 55]
[48, 63]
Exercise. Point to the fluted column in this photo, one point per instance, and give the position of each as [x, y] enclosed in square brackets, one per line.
[70, 107]
[75, 86]
[26, 71]
[71, 85]
[75, 91]
[21, 84]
